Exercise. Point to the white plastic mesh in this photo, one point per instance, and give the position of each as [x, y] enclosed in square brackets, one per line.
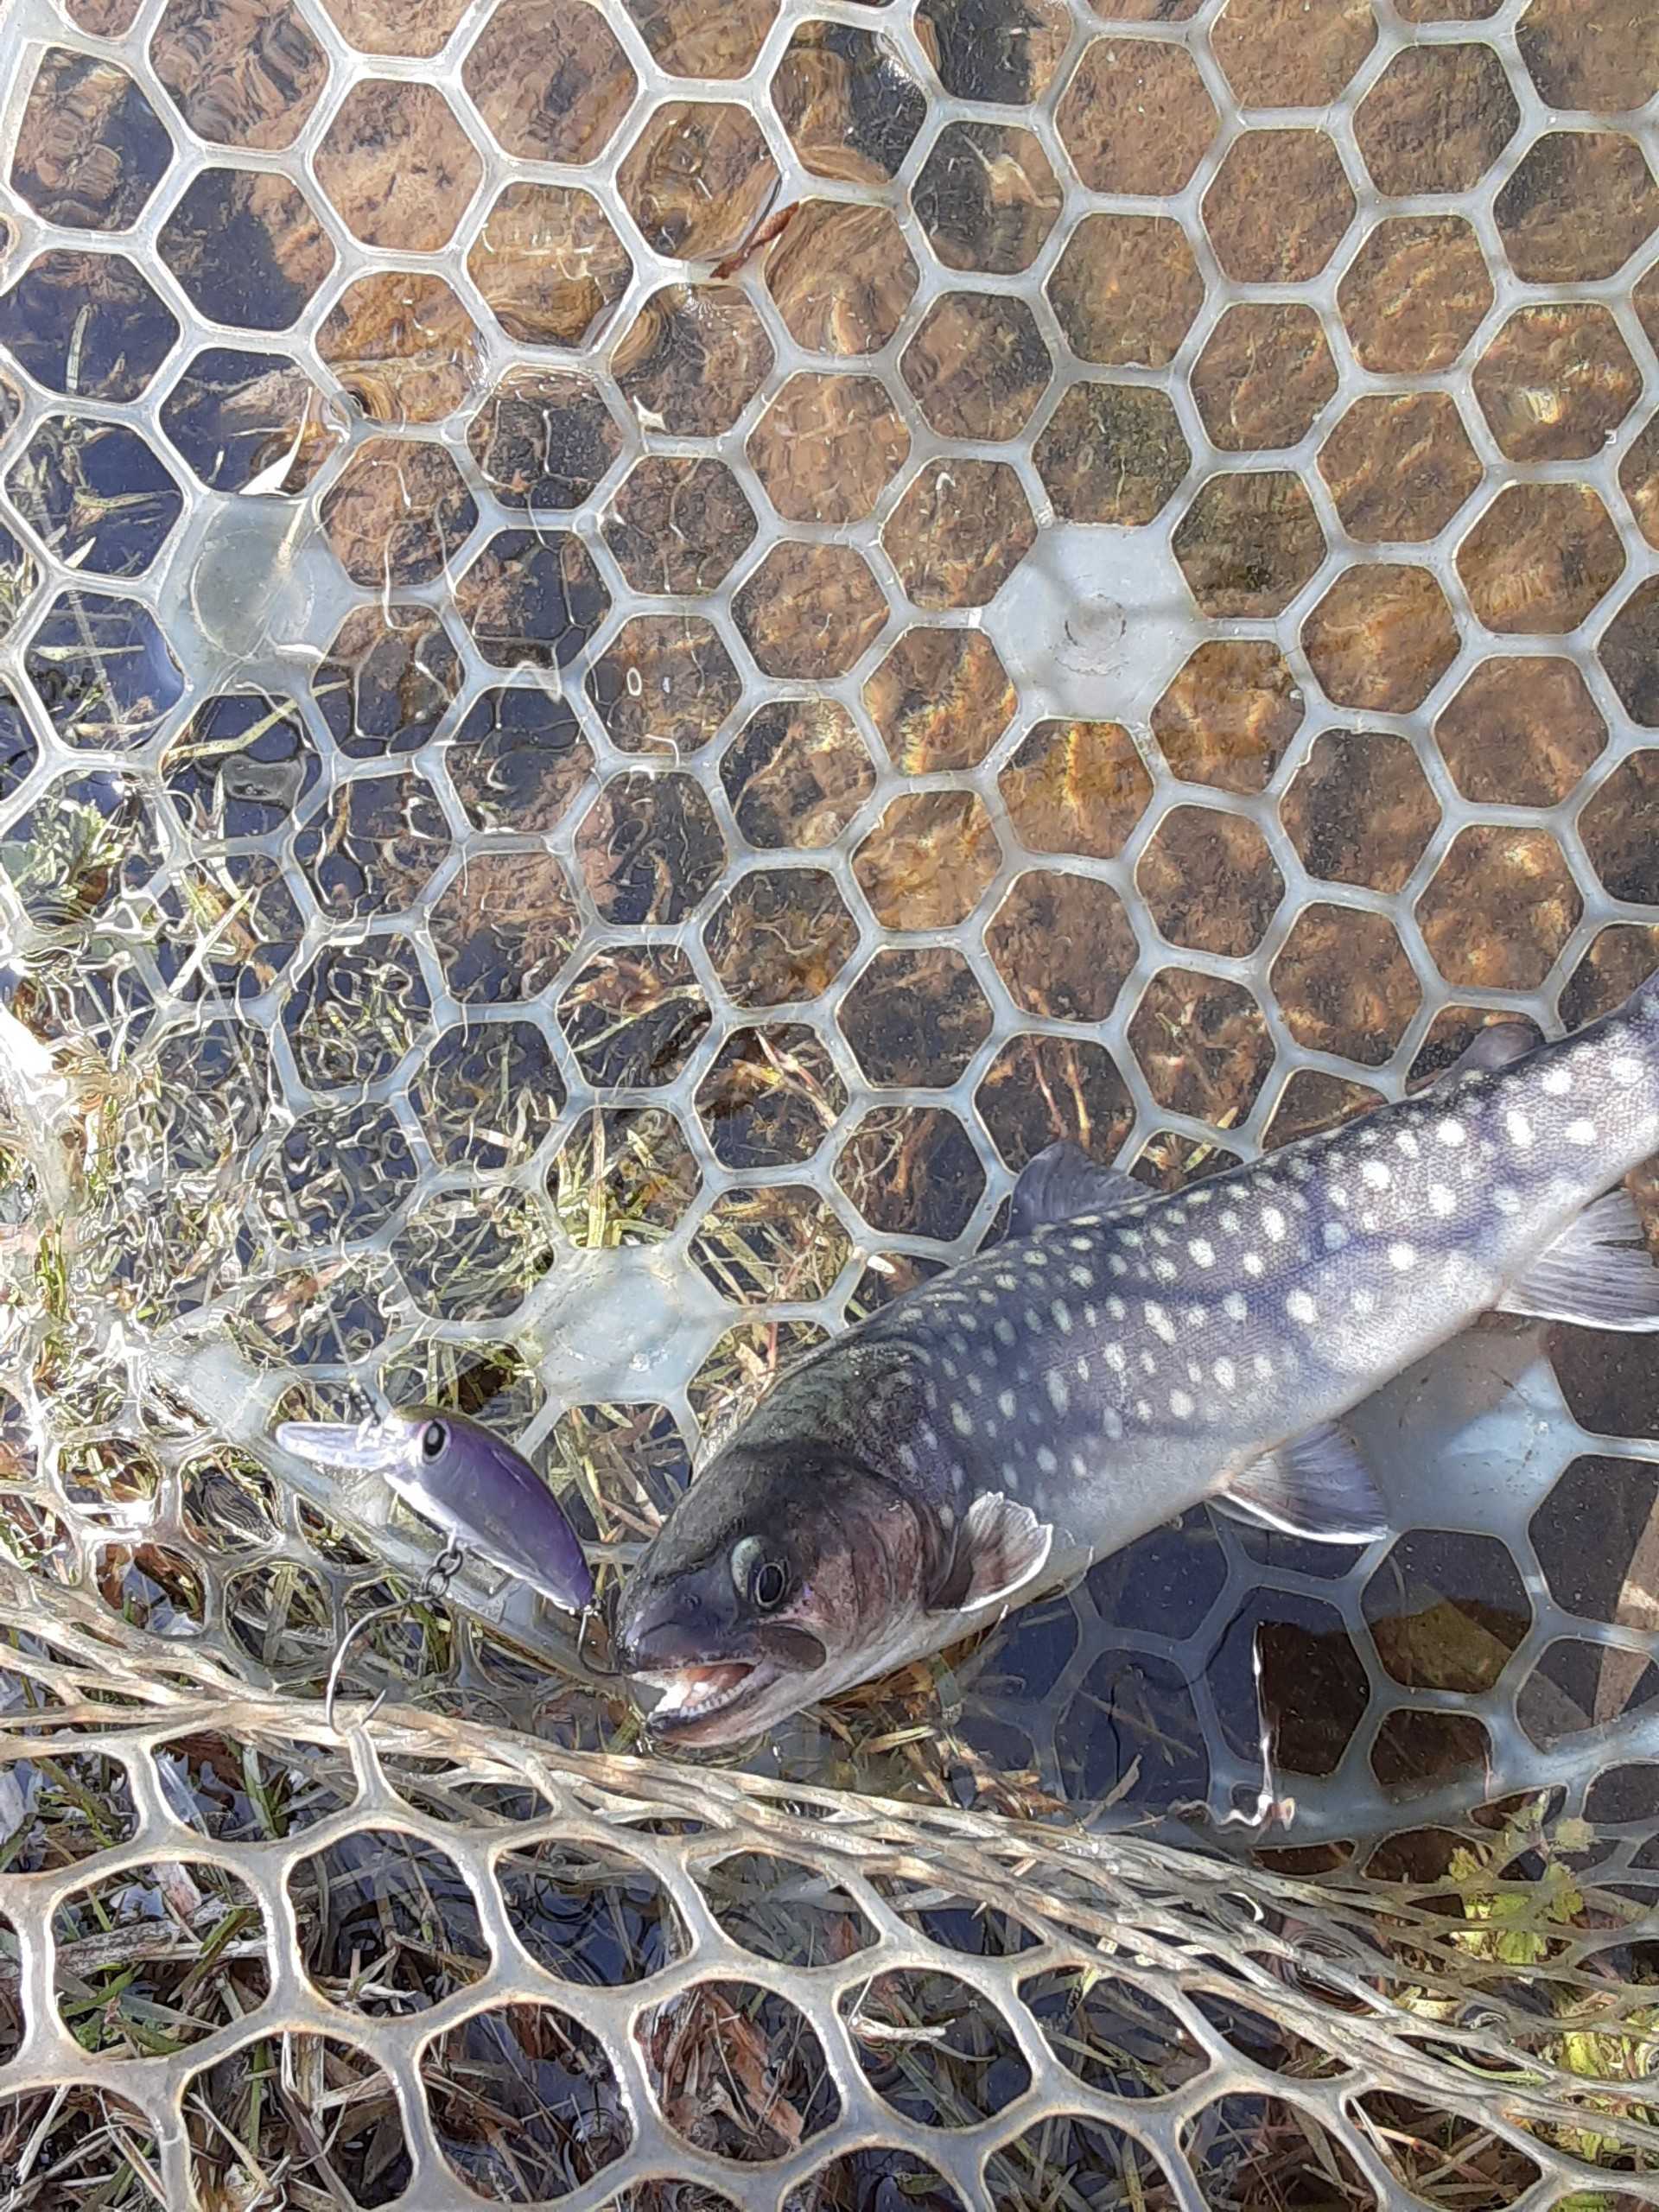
[1131, 618]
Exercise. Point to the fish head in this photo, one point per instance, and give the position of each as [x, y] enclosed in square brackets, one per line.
[777, 1574]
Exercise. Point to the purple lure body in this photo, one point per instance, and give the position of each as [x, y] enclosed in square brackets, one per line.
[467, 1481]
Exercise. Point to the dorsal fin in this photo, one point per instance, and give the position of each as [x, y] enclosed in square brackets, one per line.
[1063, 1182]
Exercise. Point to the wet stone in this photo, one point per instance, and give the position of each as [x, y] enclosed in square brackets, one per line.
[693, 358]
[958, 534]
[550, 264]
[1063, 944]
[1136, 116]
[518, 760]
[1436, 120]
[1399, 466]
[841, 277]
[1127, 289]
[1361, 810]
[650, 849]
[1230, 715]
[851, 107]
[89, 149]
[1540, 558]
[665, 684]
[1041, 1087]
[543, 438]
[771, 1097]
[828, 446]
[1381, 637]
[797, 773]
[1075, 787]
[1521, 731]
[678, 524]
[402, 347]
[1345, 984]
[1248, 543]
[1415, 294]
[915, 1017]
[1557, 381]
[1263, 377]
[1500, 909]
[940, 700]
[1112, 453]
[1279, 203]
[929, 861]
[1209, 881]
[697, 179]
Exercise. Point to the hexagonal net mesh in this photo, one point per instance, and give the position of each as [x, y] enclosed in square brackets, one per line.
[640, 646]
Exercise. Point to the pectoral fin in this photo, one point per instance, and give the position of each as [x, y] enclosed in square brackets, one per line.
[1597, 1273]
[1316, 1485]
[1001, 1547]
[1063, 1182]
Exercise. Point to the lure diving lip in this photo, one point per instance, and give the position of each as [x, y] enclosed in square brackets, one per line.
[483, 1495]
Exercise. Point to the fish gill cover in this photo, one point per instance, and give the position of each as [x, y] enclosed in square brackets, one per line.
[640, 647]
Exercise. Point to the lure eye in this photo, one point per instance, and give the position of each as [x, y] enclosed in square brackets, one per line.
[433, 1438]
[759, 1578]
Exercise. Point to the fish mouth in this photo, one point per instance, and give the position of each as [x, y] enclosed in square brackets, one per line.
[707, 1702]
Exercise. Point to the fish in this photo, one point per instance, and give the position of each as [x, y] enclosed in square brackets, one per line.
[1124, 1355]
[485, 1497]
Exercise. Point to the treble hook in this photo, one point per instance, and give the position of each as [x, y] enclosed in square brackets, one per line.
[432, 1585]
[597, 1616]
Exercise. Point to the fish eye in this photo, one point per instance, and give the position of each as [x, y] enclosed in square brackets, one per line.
[761, 1578]
[434, 1437]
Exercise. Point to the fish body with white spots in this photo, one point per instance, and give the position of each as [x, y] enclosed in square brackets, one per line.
[1121, 1356]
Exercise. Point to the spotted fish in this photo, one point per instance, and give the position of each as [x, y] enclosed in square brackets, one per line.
[1121, 1356]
